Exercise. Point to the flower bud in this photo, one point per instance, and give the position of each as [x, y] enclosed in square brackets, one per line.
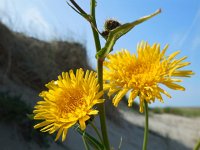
[105, 34]
[111, 24]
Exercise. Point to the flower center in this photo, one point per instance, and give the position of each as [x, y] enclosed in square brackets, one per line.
[69, 100]
[145, 72]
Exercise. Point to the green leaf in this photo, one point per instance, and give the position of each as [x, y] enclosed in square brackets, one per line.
[85, 142]
[80, 11]
[90, 140]
[115, 34]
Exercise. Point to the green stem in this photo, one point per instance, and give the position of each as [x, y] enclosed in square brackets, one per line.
[90, 139]
[100, 78]
[145, 141]
[102, 107]
[84, 142]
[95, 33]
[97, 132]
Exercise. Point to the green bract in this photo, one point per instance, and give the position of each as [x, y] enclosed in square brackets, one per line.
[115, 34]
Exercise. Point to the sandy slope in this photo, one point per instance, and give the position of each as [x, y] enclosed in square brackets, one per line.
[182, 129]
[169, 133]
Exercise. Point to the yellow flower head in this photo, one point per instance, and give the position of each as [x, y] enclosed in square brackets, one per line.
[142, 74]
[69, 100]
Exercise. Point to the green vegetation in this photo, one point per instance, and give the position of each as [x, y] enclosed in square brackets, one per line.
[182, 111]
[197, 146]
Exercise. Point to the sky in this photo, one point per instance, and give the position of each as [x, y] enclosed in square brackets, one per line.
[177, 25]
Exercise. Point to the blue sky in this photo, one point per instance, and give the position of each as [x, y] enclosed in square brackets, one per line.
[177, 25]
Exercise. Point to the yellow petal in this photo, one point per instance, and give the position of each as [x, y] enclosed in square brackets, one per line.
[45, 129]
[59, 133]
[82, 122]
[132, 96]
[112, 91]
[93, 112]
[164, 92]
[164, 50]
[39, 125]
[182, 73]
[119, 96]
[141, 104]
[174, 86]
[173, 55]
[64, 134]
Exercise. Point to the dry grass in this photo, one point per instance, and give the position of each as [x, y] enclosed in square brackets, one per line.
[181, 111]
[33, 62]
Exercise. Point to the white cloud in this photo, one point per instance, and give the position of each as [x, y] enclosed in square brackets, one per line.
[192, 28]
[7, 12]
[36, 24]
[26, 17]
[196, 42]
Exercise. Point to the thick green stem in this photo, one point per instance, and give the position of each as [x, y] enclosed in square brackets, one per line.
[100, 78]
[95, 33]
[102, 107]
[146, 131]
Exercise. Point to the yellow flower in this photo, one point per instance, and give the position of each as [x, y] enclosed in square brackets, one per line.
[68, 101]
[143, 73]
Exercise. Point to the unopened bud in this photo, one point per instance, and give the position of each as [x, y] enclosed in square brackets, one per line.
[111, 24]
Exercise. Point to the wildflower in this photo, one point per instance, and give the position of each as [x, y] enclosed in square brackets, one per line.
[68, 101]
[143, 73]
